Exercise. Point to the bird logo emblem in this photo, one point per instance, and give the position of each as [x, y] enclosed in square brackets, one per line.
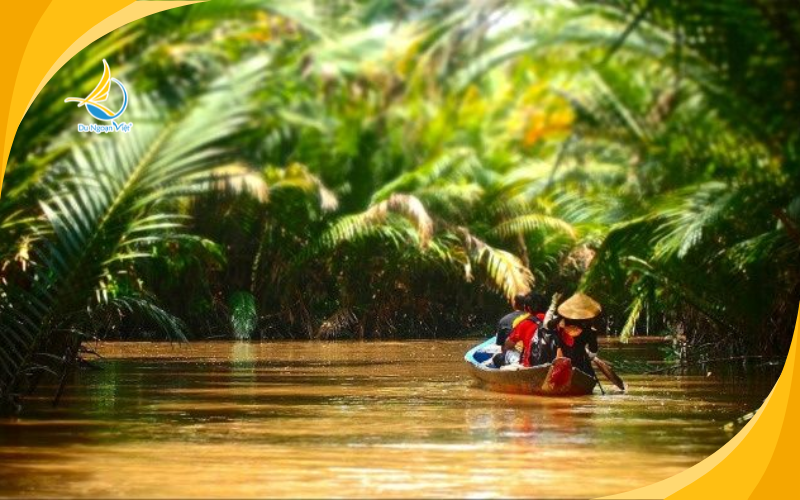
[93, 101]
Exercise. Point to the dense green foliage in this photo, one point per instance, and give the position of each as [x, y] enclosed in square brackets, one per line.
[365, 168]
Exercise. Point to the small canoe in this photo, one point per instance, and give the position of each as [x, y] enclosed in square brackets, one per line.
[559, 378]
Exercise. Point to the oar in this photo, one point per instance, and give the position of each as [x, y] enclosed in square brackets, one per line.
[609, 373]
[597, 380]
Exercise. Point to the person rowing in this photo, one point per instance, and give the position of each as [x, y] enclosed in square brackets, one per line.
[575, 333]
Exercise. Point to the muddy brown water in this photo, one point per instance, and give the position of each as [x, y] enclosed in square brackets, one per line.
[388, 419]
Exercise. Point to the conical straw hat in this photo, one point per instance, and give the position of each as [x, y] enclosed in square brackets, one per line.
[579, 306]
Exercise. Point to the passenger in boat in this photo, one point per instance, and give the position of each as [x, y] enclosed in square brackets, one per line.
[506, 324]
[575, 332]
[524, 334]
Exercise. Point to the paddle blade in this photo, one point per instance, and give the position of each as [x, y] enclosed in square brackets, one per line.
[610, 374]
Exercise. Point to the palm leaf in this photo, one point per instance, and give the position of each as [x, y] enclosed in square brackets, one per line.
[507, 272]
[108, 215]
[534, 222]
[244, 316]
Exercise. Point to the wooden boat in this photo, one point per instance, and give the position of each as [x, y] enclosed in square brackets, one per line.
[559, 378]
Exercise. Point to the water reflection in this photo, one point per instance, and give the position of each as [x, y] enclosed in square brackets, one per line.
[388, 419]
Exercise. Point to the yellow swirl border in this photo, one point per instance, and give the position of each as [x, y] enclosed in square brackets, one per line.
[38, 37]
[757, 462]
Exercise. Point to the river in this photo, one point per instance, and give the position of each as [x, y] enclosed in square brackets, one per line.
[342, 419]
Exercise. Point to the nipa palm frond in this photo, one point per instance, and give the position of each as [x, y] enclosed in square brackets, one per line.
[449, 165]
[237, 178]
[107, 216]
[507, 272]
[244, 317]
[353, 227]
[534, 222]
[689, 215]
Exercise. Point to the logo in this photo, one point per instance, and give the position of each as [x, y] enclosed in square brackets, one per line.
[93, 105]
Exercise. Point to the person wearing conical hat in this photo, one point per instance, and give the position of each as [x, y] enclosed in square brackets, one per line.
[575, 334]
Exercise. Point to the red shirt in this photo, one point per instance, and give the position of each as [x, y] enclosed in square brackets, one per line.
[525, 331]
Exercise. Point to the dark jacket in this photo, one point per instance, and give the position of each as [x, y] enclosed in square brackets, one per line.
[505, 325]
[575, 347]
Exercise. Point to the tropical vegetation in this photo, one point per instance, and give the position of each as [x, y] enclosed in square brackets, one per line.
[370, 169]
